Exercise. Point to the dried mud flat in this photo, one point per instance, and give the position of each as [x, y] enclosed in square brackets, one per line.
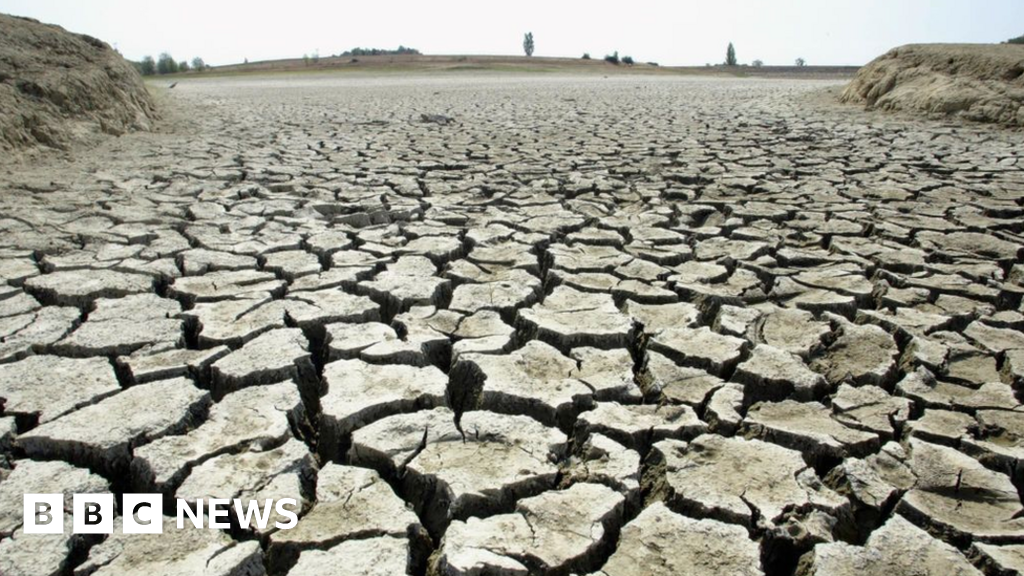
[528, 325]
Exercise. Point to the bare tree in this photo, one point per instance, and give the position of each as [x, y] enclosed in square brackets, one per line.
[528, 43]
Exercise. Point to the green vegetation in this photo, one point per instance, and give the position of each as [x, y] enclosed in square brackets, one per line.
[730, 55]
[800, 62]
[757, 63]
[147, 67]
[528, 44]
[627, 60]
[379, 51]
[612, 58]
[1017, 40]
[586, 55]
[165, 64]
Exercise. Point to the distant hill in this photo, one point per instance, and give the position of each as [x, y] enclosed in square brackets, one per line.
[596, 65]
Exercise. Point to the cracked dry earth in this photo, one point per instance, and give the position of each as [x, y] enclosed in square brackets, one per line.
[610, 327]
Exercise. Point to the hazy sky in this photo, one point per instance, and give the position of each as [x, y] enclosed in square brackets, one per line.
[670, 32]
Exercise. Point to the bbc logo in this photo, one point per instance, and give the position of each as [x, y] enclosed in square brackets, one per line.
[143, 513]
[93, 514]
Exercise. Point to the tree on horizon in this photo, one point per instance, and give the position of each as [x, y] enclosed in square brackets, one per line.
[528, 44]
[730, 55]
[147, 67]
[165, 64]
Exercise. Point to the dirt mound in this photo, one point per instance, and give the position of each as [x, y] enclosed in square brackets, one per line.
[981, 82]
[56, 87]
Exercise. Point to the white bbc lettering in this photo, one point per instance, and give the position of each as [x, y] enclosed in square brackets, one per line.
[143, 513]
[293, 518]
[43, 514]
[219, 509]
[93, 513]
[196, 516]
[245, 517]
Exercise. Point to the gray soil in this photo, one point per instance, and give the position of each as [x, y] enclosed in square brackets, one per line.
[527, 324]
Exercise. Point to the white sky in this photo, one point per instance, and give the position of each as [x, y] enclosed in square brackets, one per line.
[677, 32]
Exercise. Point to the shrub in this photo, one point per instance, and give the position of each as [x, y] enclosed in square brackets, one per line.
[612, 58]
[652, 63]
[730, 55]
[183, 66]
[1017, 40]
[165, 64]
[757, 63]
[586, 55]
[627, 60]
[148, 66]
[528, 44]
[379, 51]
[198, 65]
[801, 62]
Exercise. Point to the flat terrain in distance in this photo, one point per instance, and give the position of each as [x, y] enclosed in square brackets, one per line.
[524, 324]
[520, 64]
